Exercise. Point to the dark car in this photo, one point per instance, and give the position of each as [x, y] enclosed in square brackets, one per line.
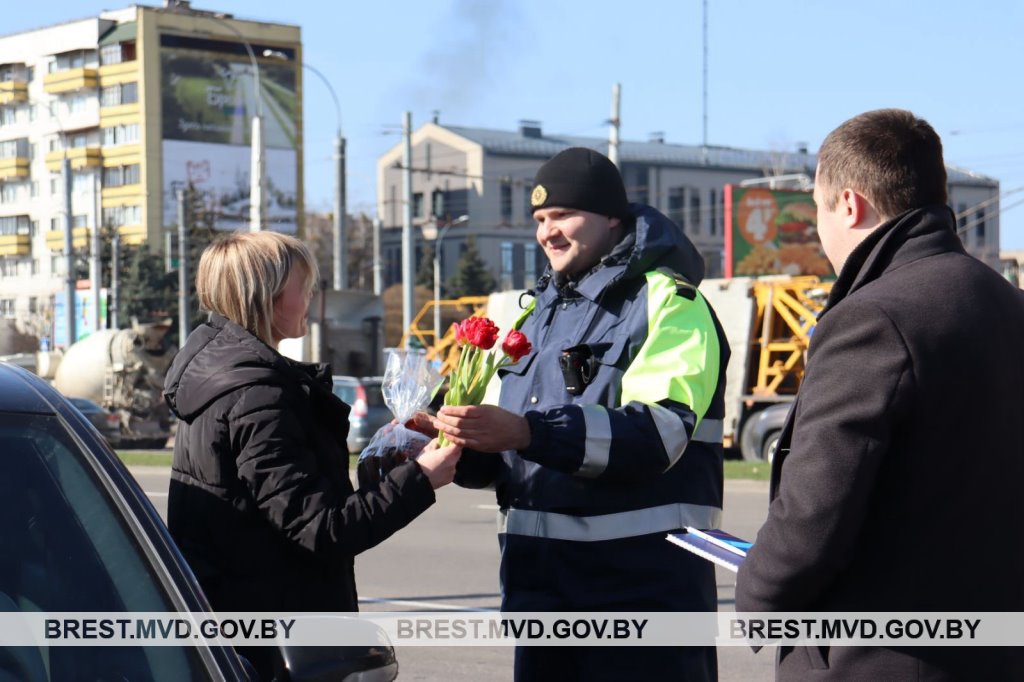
[105, 421]
[369, 412]
[78, 535]
[760, 436]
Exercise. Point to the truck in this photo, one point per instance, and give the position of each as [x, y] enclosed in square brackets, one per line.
[123, 370]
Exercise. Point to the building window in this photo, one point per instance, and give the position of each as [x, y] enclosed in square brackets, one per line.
[6, 304]
[80, 182]
[979, 227]
[122, 93]
[417, 204]
[110, 54]
[7, 116]
[56, 224]
[54, 187]
[33, 302]
[392, 204]
[676, 202]
[118, 135]
[507, 265]
[529, 264]
[694, 217]
[30, 74]
[713, 209]
[34, 228]
[527, 203]
[77, 105]
[506, 201]
[14, 225]
[437, 202]
[58, 266]
[8, 267]
[79, 221]
[117, 216]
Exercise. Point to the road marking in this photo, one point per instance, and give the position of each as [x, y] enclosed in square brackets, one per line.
[421, 605]
[156, 494]
[488, 507]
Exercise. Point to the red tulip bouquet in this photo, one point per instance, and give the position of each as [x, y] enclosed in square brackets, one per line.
[478, 362]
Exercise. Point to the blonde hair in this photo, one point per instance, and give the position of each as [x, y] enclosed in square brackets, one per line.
[241, 274]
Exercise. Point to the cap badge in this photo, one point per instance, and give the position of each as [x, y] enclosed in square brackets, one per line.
[539, 196]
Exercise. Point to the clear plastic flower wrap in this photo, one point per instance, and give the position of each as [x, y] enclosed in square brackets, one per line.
[409, 385]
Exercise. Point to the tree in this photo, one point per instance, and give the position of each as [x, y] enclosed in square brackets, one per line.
[472, 277]
[147, 291]
[319, 236]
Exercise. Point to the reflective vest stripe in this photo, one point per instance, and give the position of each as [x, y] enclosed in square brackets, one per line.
[672, 431]
[597, 448]
[628, 524]
[709, 431]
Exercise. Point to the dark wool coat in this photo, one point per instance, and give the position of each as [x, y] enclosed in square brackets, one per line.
[260, 500]
[900, 467]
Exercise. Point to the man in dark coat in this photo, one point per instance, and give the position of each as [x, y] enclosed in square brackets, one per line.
[898, 471]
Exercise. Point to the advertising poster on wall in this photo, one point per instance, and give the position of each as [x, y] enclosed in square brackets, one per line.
[772, 232]
[209, 97]
[83, 316]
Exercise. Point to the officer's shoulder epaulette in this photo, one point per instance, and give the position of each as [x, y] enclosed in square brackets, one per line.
[683, 286]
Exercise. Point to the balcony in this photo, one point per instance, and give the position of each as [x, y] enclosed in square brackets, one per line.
[15, 245]
[70, 80]
[132, 235]
[120, 114]
[14, 168]
[122, 72]
[115, 196]
[122, 154]
[79, 238]
[80, 157]
[13, 92]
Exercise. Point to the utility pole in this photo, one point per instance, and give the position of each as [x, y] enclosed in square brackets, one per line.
[613, 132]
[115, 275]
[69, 254]
[339, 236]
[408, 274]
[704, 98]
[378, 278]
[183, 321]
[95, 269]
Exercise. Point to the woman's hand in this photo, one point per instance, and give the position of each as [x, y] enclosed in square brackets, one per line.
[421, 422]
[438, 463]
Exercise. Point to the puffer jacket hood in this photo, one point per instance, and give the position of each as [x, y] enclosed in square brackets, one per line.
[219, 357]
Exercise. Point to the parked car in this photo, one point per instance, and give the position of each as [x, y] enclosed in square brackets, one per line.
[369, 412]
[78, 535]
[105, 421]
[761, 432]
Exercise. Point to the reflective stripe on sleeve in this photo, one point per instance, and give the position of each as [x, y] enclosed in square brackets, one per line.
[628, 524]
[709, 431]
[598, 443]
[672, 431]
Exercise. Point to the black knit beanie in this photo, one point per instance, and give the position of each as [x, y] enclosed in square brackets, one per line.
[583, 179]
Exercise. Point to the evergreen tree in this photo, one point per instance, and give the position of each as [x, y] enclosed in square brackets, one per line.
[425, 271]
[472, 277]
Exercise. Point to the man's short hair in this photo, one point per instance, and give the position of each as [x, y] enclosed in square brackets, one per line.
[241, 274]
[890, 156]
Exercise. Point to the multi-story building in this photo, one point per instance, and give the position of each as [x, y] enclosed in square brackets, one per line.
[487, 175]
[142, 102]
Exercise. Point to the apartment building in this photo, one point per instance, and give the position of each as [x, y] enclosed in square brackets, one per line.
[140, 102]
[487, 175]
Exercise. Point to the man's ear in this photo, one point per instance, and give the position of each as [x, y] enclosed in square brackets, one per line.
[613, 222]
[857, 210]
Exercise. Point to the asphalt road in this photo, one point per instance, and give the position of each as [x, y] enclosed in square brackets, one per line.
[448, 560]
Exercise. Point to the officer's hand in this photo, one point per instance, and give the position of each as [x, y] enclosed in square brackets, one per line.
[483, 427]
[438, 463]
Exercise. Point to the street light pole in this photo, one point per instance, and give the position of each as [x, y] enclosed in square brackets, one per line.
[437, 273]
[258, 168]
[338, 238]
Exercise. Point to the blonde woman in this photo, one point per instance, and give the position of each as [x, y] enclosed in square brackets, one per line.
[260, 500]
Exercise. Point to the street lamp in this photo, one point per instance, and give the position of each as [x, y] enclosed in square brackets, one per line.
[439, 239]
[340, 244]
[257, 172]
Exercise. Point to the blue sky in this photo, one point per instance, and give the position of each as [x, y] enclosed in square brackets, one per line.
[780, 73]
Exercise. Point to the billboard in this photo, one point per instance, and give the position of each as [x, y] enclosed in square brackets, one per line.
[772, 232]
[209, 97]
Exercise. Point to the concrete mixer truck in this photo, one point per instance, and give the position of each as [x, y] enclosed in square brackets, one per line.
[123, 370]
